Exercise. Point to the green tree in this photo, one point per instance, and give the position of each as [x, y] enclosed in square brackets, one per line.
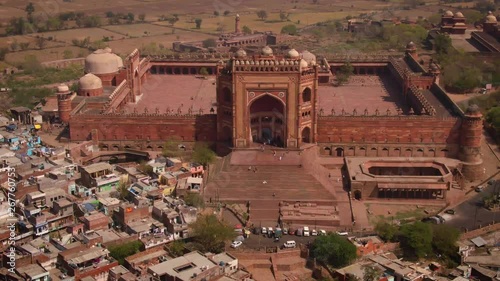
[386, 230]
[203, 154]
[40, 42]
[30, 9]
[110, 14]
[262, 14]
[3, 53]
[226, 13]
[371, 273]
[216, 13]
[493, 117]
[289, 29]
[209, 43]
[442, 44]
[203, 71]
[195, 200]
[344, 73]
[444, 240]
[130, 17]
[122, 190]
[120, 251]
[333, 250]
[142, 17]
[176, 248]
[198, 23]
[485, 6]
[171, 149]
[246, 30]
[24, 45]
[284, 16]
[211, 234]
[416, 239]
[173, 20]
[146, 168]
[31, 64]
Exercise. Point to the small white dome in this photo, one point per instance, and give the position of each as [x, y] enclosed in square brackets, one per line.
[308, 56]
[63, 88]
[102, 61]
[303, 63]
[293, 54]
[267, 51]
[459, 15]
[448, 13]
[241, 53]
[90, 82]
[490, 18]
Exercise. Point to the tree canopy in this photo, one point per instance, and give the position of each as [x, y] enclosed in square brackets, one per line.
[203, 154]
[290, 29]
[417, 239]
[198, 23]
[444, 240]
[262, 14]
[386, 230]
[333, 250]
[121, 251]
[209, 43]
[210, 234]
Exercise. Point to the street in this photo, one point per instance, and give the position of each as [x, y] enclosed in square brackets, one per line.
[471, 214]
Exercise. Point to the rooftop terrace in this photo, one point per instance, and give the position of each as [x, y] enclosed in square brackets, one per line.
[168, 92]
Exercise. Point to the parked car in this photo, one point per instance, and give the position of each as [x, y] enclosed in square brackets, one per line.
[434, 220]
[276, 239]
[322, 232]
[314, 232]
[299, 232]
[450, 211]
[290, 244]
[440, 218]
[342, 233]
[285, 231]
[256, 231]
[479, 188]
[236, 244]
[306, 232]
[263, 230]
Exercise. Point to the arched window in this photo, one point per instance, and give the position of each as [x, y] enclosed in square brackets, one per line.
[306, 95]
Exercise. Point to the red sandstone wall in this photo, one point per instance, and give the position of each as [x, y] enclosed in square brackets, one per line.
[144, 127]
[388, 130]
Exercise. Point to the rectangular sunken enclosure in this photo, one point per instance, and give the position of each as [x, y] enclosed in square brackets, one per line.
[398, 177]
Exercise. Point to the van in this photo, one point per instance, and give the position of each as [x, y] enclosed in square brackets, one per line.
[290, 244]
[306, 231]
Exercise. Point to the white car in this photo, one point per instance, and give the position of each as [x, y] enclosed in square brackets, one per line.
[314, 232]
[322, 232]
[306, 232]
[264, 230]
[236, 244]
[342, 233]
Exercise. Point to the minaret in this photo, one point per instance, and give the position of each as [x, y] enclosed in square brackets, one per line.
[470, 144]
[237, 29]
[64, 102]
[411, 50]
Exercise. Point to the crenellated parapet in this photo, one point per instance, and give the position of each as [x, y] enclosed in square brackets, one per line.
[358, 57]
[192, 57]
[420, 102]
[374, 116]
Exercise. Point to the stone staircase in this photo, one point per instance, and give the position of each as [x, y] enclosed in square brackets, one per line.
[266, 184]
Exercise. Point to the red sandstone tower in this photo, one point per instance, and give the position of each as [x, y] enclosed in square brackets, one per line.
[411, 50]
[470, 143]
[64, 102]
[237, 29]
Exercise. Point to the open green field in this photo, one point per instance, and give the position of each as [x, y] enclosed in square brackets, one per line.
[80, 33]
[139, 29]
[45, 55]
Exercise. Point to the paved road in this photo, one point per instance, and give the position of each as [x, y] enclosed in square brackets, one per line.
[470, 214]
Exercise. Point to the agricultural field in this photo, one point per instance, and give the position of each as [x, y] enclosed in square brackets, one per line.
[81, 33]
[124, 47]
[49, 54]
[31, 39]
[139, 29]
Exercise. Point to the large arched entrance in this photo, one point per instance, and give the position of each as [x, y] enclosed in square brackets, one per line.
[306, 135]
[267, 121]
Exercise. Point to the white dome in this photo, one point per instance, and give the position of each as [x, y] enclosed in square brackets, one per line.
[90, 82]
[490, 18]
[308, 56]
[459, 15]
[102, 61]
[63, 88]
[293, 54]
[303, 63]
[241, 53]
[448, 13]
[267, 51]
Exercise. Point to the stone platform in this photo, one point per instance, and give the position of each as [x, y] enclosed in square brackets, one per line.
[272, 182]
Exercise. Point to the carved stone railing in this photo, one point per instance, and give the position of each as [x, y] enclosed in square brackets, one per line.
[423, 103]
